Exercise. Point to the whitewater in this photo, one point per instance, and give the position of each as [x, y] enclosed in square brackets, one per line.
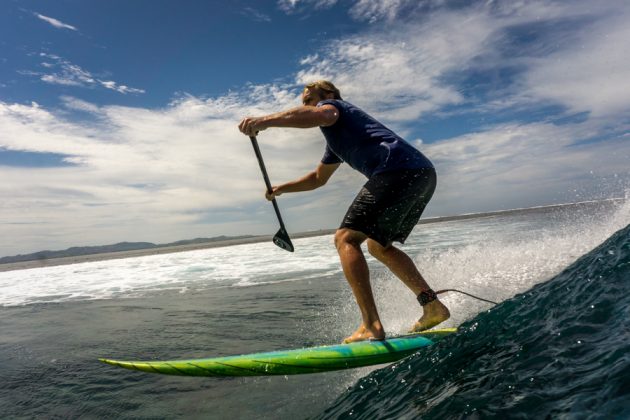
[516, 257]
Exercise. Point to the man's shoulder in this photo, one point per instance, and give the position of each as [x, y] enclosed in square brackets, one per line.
[342, 106]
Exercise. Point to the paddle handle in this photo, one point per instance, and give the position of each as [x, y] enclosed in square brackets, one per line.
[266, 177]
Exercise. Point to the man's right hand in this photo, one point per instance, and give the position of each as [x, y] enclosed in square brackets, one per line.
[250, 126]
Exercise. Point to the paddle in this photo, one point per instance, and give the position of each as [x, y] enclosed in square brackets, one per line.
[282, 237]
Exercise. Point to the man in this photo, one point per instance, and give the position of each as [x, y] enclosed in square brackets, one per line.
[401, 181]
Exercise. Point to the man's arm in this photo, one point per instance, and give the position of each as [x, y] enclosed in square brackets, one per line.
[310, 181]
[300, 117]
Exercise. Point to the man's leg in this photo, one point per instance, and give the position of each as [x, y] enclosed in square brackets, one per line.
[355, 268]
[404, 268]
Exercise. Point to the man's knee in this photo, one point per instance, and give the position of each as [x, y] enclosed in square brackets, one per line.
[348, 236]
[375, 249]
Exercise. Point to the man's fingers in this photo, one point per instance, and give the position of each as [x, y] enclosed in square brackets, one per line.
[246, 126]
[250, 126]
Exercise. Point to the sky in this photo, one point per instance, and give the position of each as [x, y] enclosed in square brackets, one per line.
[118, 119]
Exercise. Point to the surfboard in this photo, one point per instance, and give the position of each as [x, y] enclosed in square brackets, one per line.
[294, 362]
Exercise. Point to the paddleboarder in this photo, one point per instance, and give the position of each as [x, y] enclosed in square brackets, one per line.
[401, 181]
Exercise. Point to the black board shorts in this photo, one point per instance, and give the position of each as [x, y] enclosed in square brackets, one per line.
[390, 204]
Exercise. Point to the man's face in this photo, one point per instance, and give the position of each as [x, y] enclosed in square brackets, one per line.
[310, 97]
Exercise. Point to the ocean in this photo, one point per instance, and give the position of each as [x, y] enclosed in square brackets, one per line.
[557, 345]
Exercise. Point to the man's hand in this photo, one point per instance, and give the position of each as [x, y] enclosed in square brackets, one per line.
[250, 126]
[275, 191]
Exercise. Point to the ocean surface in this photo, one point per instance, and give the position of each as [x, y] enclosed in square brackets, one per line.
[556, 346]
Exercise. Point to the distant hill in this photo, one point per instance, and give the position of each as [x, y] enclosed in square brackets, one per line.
[101, 249]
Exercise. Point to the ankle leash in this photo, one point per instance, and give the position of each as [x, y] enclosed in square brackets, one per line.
[428, 296]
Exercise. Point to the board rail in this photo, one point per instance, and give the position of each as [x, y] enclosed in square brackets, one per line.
[296, 361]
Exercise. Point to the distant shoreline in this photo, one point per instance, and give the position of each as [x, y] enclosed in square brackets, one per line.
[51, 262]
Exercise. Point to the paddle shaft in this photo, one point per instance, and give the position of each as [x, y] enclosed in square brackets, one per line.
[266, 177]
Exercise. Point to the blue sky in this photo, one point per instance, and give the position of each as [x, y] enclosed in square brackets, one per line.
[118, 118]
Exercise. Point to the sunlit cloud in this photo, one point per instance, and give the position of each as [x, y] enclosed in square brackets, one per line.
[256, 15]
[519, 165]
[56, 23]
[291, 6]
[592, 74]
[373, 11]
[59, 71]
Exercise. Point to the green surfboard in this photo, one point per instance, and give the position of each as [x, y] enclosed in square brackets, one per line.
[294, 362]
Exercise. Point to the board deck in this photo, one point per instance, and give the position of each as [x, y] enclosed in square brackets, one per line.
[294, 362]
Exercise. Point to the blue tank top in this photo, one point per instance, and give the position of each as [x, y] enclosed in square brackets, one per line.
[367, 145]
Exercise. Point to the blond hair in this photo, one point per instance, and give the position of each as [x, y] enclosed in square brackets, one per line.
[324, 86]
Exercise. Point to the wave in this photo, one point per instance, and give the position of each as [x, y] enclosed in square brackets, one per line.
[560, 349]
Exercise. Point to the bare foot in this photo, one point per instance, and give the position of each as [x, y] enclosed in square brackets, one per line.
[434, 314]
[363, 334]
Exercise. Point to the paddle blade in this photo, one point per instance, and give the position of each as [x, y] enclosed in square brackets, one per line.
[283, 241]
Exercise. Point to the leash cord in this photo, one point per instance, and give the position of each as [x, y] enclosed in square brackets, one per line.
[465, 293]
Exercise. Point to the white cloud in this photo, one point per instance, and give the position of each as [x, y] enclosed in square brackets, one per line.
[56, 23]
[520, 165]
[109, 84]
[256, 15]
[66, 73]
[593, 74]
[291, 6]
[79, 105]
[373, 11]
[56, 79]
[288, 5]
